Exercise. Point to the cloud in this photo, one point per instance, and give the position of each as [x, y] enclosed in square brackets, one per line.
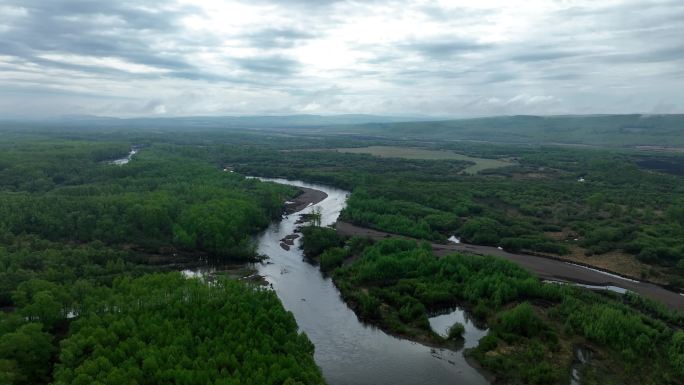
[543, 54]
[186, 57]
[276, 65]
[281, 37]
[445, 48]
[125, 30]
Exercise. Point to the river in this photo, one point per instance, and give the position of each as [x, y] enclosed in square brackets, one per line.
[126, 159]
[348, 351]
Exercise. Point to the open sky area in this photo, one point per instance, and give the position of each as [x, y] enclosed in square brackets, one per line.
[420, 58]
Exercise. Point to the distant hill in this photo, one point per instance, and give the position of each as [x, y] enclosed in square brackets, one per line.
[257, 122]
[601, 130]
[604, 130]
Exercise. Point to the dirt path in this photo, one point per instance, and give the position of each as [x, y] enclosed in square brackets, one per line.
[544, 268]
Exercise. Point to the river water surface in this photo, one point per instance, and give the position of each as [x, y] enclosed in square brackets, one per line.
[126, 159]
[348, 351]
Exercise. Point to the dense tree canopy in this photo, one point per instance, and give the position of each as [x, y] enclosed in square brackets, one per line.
[164, 198]
[76, 231]
[532, 324]
[80, 236]
[165, 328]
[552, 200]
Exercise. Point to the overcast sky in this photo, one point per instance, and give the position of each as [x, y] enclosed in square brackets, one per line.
[448, 58]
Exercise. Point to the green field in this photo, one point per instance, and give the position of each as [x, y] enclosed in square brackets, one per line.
[427, 154]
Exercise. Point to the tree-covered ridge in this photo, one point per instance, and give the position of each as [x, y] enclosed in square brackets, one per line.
[533, 326]
[168, 329]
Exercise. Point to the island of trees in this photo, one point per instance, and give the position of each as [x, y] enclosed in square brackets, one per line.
[534, 327]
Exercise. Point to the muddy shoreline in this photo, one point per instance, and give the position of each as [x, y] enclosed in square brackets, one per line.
[236, 269]
[307, 197]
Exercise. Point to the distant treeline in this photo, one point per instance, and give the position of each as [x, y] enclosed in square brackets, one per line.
[593, 130]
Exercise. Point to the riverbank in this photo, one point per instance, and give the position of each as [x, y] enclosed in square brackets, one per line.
[347, 350]
[534, 327]
[308, 197]
[544, 268]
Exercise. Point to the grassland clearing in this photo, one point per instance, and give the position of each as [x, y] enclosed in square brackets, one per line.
[429, 154]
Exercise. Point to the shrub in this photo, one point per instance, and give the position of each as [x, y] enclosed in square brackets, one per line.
[521, 320]
[332, 258]
[456, 331]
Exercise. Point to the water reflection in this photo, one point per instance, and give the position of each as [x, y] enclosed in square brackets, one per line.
[441, 323]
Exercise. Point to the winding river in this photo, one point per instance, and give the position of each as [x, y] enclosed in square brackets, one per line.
[126, 159]
[348, 351]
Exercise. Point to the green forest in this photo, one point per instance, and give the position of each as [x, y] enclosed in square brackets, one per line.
[533, 326]
[83, 243]
[88, 251]
[168, 329]
[170, 196]
[583, 204]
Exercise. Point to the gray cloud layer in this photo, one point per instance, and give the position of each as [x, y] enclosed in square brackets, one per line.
[135, 57]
